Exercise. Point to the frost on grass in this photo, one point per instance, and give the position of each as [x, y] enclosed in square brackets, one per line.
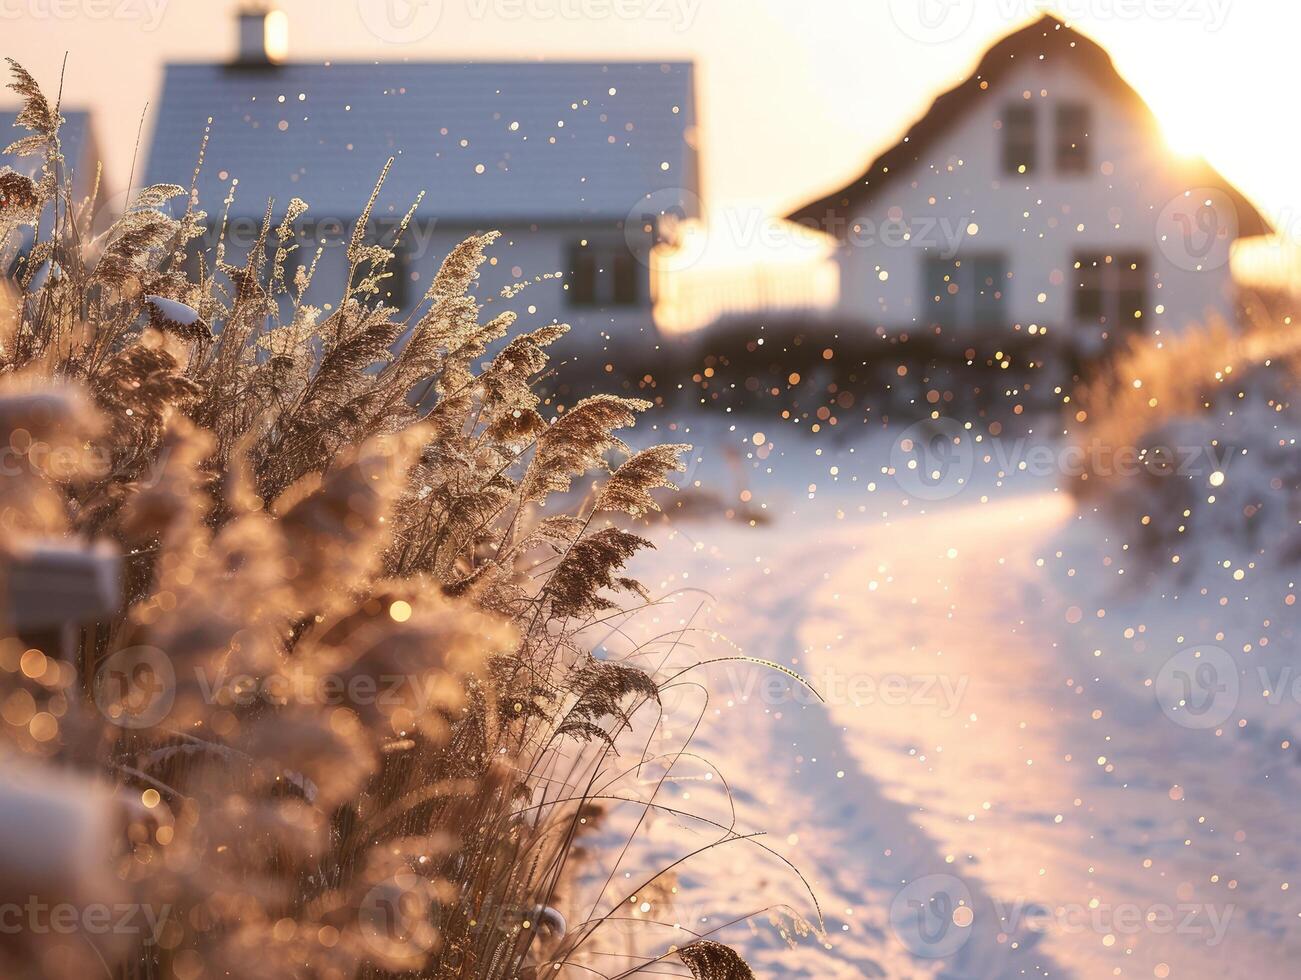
[345, 680]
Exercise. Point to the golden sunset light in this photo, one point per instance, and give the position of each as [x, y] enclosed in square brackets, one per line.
[625, 489]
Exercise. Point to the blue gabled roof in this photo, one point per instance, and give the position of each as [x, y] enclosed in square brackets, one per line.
[487, 142]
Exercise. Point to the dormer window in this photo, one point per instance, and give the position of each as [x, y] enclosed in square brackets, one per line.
[1019, 143]
[1073, 121]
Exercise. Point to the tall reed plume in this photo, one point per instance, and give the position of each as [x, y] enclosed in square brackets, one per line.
[340, 719]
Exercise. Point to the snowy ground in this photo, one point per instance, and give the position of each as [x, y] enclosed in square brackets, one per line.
[1003, 780]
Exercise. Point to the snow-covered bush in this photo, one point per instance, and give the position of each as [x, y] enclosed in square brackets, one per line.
[1192, 443]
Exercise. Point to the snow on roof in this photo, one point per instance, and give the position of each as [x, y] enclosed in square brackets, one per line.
[488, 142]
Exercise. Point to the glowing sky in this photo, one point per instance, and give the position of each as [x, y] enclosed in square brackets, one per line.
[795, 95]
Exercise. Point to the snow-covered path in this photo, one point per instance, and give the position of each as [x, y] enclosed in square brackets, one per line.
[985, 742]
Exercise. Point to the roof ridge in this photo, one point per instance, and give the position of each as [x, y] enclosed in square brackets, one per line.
[947, 108]
[536, 140]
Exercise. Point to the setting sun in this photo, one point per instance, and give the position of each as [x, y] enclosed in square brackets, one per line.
[612, 489]
[1184, 132]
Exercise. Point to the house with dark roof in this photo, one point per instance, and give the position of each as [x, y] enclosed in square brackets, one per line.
[81, 157]
[1038, 196]
[577, 164]
[76, 138]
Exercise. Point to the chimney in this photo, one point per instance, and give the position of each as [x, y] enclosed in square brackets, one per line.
[263, 36]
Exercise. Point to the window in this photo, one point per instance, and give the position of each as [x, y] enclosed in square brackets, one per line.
[1019, 142]
[582, 272]
[318, 247]
[395, 290]
[1110, 290]
[967, 292]
[1073, 138]
[395, 287]
[603, 275]
[625, 278]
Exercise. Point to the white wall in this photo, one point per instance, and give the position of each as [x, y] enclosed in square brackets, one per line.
[521, 253]
[1040, 220]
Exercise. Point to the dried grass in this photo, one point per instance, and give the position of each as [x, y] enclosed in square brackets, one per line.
[1190, 443]
[310, 502]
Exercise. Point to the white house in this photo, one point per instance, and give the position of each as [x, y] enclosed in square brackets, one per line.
[575, 163]
[1036, 195]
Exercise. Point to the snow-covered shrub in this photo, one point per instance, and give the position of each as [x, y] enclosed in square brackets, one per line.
[1192, 445]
